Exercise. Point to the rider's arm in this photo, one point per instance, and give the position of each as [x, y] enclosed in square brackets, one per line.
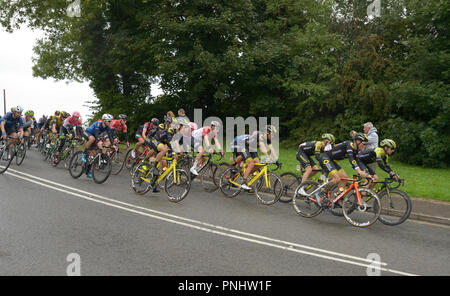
[2, 126]
[110, 136]
[383, 164]
[217, 143]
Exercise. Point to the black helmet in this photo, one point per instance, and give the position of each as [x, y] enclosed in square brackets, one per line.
[361, 136]
[155, 121]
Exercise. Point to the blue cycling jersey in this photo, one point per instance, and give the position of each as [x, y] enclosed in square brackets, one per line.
[11, 122]
[97, 128]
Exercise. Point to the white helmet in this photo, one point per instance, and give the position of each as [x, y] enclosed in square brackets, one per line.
[216, 124]
[107, 117]
[18, 109]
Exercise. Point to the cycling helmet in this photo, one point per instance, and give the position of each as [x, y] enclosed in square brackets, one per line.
[388, 142]
[361, 136]
[215, 123]
[271, 129]
[155, 121]
[29, 113]
[329, 137]
[17, 109]
[107, 117]
[193, 126]
[123, 116]
[76, 114]
[167, 119]
[161, 126]
[57, 113]
[64, 114]
[171, 130]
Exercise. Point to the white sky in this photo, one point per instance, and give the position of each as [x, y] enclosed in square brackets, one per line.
[41, 96]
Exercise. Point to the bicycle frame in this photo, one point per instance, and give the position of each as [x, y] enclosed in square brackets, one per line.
[171, 168]
[255, 178]
[354, 185]
[263, 171]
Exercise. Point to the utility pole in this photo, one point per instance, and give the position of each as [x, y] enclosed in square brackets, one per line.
[4, 102]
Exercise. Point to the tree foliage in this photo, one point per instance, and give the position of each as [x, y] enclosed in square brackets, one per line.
[320, 66]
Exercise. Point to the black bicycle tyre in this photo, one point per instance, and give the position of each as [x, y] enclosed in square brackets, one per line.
[383, 219]
[20, 158]
[168, 186]
[299, 199]
[71, 165]
[289, 186]
[8, 163]
[95, 167]
[353, 209]
[117, 163]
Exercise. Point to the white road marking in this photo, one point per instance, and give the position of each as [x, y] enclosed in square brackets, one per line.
[254, 238]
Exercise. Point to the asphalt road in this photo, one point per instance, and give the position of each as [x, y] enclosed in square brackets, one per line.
[46, 215]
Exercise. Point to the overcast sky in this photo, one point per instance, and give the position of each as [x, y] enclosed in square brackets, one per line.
[41, 96]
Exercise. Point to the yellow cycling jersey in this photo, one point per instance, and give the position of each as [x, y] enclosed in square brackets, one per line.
[380, 153]
[56, 119]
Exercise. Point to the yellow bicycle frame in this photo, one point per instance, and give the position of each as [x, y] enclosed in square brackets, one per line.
[256, 177]
[173, 167]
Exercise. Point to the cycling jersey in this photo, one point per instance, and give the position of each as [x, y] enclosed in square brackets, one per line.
[12, 124]
[339, 152]
[200, 133]
[256, 138]
[306, 150]
[56, 120]
[344, 150]
[161, 137]
[27, 123]
[371, 156]
[70, 122]
[117, 126]
[238, 143]
[96, 129]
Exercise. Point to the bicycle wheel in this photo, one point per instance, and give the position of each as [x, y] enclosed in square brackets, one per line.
[269, 192]
[6, 156]
[361, 215]
[101, 168]
[45, 152]
[290, 182]
[230, 182]
[68, 157]
[177, 188]
[207, 177]
[129, 160]
[221, 168]
[141, 178]
[305, 204]
[76, 165]
[20, 153]
[336, 208]
[396, 207]
[117, 162]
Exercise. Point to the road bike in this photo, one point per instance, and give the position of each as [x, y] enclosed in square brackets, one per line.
[68, 150]
[6, 154]
[267, 186]
[98, 163]
[292, 180]
[131, 162]
[177, 183]
[396, 205]
[361, 207]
